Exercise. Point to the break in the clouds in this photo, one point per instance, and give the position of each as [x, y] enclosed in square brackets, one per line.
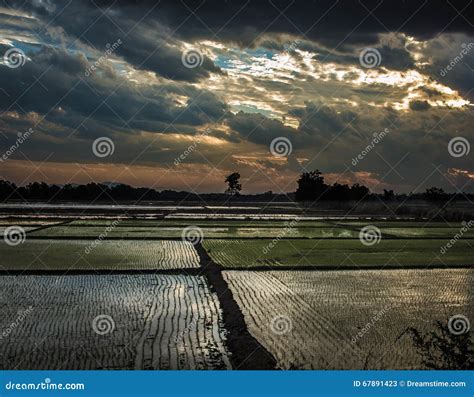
[370, 92]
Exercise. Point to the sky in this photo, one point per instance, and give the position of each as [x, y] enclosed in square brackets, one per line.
[179, 94]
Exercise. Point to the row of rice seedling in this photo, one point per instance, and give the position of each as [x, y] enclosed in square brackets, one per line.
[98, 255]
[4, 229]
[34, 222]
[429, 232]
[398, 223]
[256, 229]
[197, 222]
[69, 231]
[296, 335]
[338, 253]
[110, 322]
[348, 319]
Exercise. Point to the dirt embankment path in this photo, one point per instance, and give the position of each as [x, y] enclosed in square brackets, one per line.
[247, 352]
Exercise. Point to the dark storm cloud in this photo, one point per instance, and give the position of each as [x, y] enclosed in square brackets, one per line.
[452, 62]
[419, 105]
[317, 125]
[324, 121]
[258, 128]
[244, 21]
[55, 78]
[147, 45]
[79, 108]
[329, 20]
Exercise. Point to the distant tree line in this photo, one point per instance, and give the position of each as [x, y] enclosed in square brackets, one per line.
[40, 191]
[311, 188]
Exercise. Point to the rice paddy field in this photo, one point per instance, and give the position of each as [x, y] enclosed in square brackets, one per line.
[238, 292]
[337, 253]
[65, 255]
[111, 322]
[318, 316]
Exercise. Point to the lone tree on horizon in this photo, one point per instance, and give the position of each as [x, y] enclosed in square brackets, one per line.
[233, 183]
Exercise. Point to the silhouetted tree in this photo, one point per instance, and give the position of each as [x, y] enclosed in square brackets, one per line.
[311, 186]
[388, 195]
[441, 349]
[338, 192]
[234, 186]
[359, 192]
[435, 194]
[7, 190]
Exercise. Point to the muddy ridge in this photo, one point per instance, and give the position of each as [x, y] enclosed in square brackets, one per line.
[246, 351]
[47, 226]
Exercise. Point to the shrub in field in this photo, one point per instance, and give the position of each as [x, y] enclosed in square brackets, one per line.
[441, 349]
